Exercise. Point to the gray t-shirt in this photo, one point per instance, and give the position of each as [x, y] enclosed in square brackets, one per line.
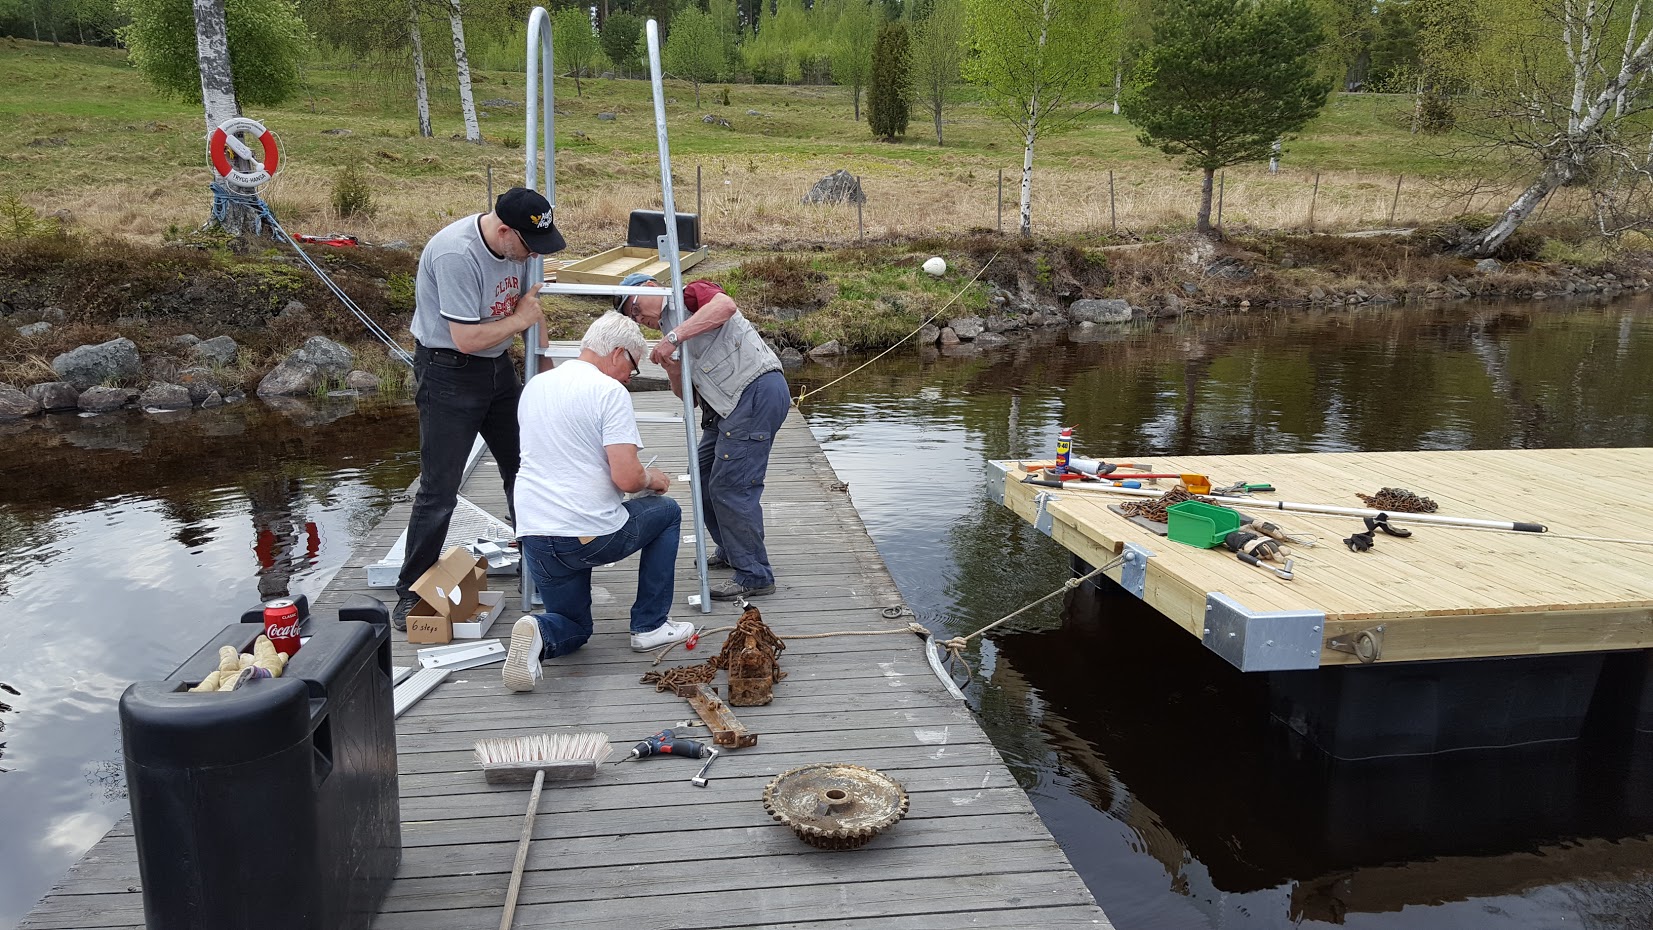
[462, 281]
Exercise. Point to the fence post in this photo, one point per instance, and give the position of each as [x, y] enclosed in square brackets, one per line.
[1221, 186]
[1113, 213]
[697, 196]
[1396, 202]
[1312, 198]
[489, 206]
[1001, 200]
[860, 227]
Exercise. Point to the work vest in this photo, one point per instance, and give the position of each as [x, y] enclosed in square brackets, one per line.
[726, 360]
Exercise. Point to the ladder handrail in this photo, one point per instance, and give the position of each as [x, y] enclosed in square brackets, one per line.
[539, 53]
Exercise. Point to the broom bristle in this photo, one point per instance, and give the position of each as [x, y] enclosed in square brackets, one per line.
[570, 754]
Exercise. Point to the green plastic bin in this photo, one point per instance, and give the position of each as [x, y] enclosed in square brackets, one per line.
[1194, 523]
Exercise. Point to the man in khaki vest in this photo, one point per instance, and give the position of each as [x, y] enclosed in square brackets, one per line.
[744, 396]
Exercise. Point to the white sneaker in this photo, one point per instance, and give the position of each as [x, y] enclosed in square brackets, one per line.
[522, 664]
[672, 631]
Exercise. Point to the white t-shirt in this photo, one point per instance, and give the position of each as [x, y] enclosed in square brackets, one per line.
[566, 417]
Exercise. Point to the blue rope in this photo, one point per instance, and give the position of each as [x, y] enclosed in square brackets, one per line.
[224, 199]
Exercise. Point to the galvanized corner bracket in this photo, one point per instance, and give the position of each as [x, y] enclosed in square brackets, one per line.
[1366, 645]
[1042, 520]
[996, 472]
[1265, 641]
[1133, 574]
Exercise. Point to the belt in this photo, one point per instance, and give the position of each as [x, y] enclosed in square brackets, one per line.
[455, 352]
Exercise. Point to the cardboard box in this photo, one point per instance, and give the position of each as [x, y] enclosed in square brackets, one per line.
[490, 604]
[448, 592]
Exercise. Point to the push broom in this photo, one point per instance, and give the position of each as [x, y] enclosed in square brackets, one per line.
[518, 760]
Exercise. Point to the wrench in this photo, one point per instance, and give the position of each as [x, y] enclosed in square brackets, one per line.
[699, 781]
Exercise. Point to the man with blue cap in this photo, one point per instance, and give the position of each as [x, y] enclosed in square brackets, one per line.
[744, 397]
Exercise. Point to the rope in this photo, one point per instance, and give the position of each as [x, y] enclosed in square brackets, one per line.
[224, 198]
[955, 646]
[950, 301]
[918, 628]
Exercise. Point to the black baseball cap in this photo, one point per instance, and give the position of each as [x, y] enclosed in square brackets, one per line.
[530, 215]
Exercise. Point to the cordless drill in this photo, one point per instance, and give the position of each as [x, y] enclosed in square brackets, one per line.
[666, 742]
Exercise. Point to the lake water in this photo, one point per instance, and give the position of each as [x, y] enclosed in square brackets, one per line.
[126, 540]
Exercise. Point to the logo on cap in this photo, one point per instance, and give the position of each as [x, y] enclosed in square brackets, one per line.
[540, 220]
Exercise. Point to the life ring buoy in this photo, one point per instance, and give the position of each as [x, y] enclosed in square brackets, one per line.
[224, 141]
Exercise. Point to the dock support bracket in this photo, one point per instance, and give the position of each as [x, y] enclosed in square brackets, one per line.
[1133, 574]
[1042, 520]
[996, 471]
[1367, 645]
[1266, 641]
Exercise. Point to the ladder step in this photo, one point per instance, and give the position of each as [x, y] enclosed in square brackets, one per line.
[417, 685]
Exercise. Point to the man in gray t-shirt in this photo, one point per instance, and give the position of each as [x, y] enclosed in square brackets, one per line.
[470, 302]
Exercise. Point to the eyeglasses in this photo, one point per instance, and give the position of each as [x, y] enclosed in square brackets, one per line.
[525, 246]
[633, 360]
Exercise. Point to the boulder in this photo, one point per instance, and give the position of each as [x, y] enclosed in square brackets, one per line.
[186, 340]
[54, 395]
[989, 340]
[791, 358]
[199, 382]
[826, 349]
[14, 404]
[212, 400]
[1004, 324]
[712, 119]
[838, 187]
[1317, 293]
[364, 381]
[34, 329]
[948, 337]
[102, 399]
[292, 377]
[966, 327]
[340, 133]
[219, 350]
[292, 309]
[163, 396]
[334, 361]
[54, 315]
[95, 364]
[1489, 266]
[928, 334]
[606, 117]
[1112, 310]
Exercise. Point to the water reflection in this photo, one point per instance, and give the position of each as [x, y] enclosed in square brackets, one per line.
[125, 540]
[1153, 762]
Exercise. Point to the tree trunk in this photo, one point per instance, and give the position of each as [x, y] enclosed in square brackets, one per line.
[1027, 183]
[1203, 224]
[935, 111]
[419, 82]
[855, 92]
[1118, 80]
[697, 94]
[462, 68]
[212, 56]
[1489, 239]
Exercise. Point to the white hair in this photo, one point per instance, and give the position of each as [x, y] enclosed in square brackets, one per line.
[612, 331]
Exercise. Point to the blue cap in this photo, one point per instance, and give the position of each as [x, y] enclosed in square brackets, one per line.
[630, 280]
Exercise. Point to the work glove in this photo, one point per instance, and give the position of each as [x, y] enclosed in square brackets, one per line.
[1252, 544]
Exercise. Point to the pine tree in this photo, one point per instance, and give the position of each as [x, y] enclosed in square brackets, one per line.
[1223, 79]
[890, 87]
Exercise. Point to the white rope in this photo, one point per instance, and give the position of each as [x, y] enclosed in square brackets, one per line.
[955, 646]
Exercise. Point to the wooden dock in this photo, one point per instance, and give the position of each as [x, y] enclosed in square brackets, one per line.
[1444, 593]
[639, 846]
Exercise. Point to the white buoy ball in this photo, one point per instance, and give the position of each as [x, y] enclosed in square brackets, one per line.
[936, 266]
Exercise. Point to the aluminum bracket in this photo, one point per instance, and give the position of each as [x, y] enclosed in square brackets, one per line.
[1133, 574]
[1042, 520]
[996, 472]
[1267, 641]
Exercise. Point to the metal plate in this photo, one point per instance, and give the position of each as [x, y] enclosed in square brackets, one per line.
[1262, 642]
[995, 480]
[1133, 575]
[1042, 520]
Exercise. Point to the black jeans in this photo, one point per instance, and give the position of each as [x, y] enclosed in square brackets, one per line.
[459, 396]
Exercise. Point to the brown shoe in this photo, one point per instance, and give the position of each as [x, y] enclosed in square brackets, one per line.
[733, 590]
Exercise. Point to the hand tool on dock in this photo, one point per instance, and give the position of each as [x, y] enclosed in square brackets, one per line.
[726, 729]
[1285, 574]
[699, 781]
[562, 757]
[666, 743]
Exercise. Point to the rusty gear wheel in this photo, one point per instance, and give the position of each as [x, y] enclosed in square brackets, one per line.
[834, 805]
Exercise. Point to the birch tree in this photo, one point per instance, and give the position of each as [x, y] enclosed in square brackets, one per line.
[573, 43]
[938, 51]
[1036, 60]
[694, 50]
[852, 42]
[420, 84]
[462, 71]
[1568, 107]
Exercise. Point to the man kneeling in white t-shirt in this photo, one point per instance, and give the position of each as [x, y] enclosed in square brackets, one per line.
[579, 460]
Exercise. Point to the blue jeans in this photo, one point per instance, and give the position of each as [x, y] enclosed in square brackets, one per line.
[734, 457]
[561, 568]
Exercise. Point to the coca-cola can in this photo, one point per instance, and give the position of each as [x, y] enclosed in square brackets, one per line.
[281, 625]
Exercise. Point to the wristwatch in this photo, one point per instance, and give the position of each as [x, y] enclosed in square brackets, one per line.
[671, 336]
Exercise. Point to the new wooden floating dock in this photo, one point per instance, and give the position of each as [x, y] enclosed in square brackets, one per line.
[639, 846]
[1444, 593]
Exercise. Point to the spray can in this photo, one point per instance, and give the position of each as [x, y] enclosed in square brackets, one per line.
[1064, 446]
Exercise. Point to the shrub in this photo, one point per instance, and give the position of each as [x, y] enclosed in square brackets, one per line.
[352, 194]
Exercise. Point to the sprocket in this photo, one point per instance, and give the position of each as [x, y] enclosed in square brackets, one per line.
[835, 805]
